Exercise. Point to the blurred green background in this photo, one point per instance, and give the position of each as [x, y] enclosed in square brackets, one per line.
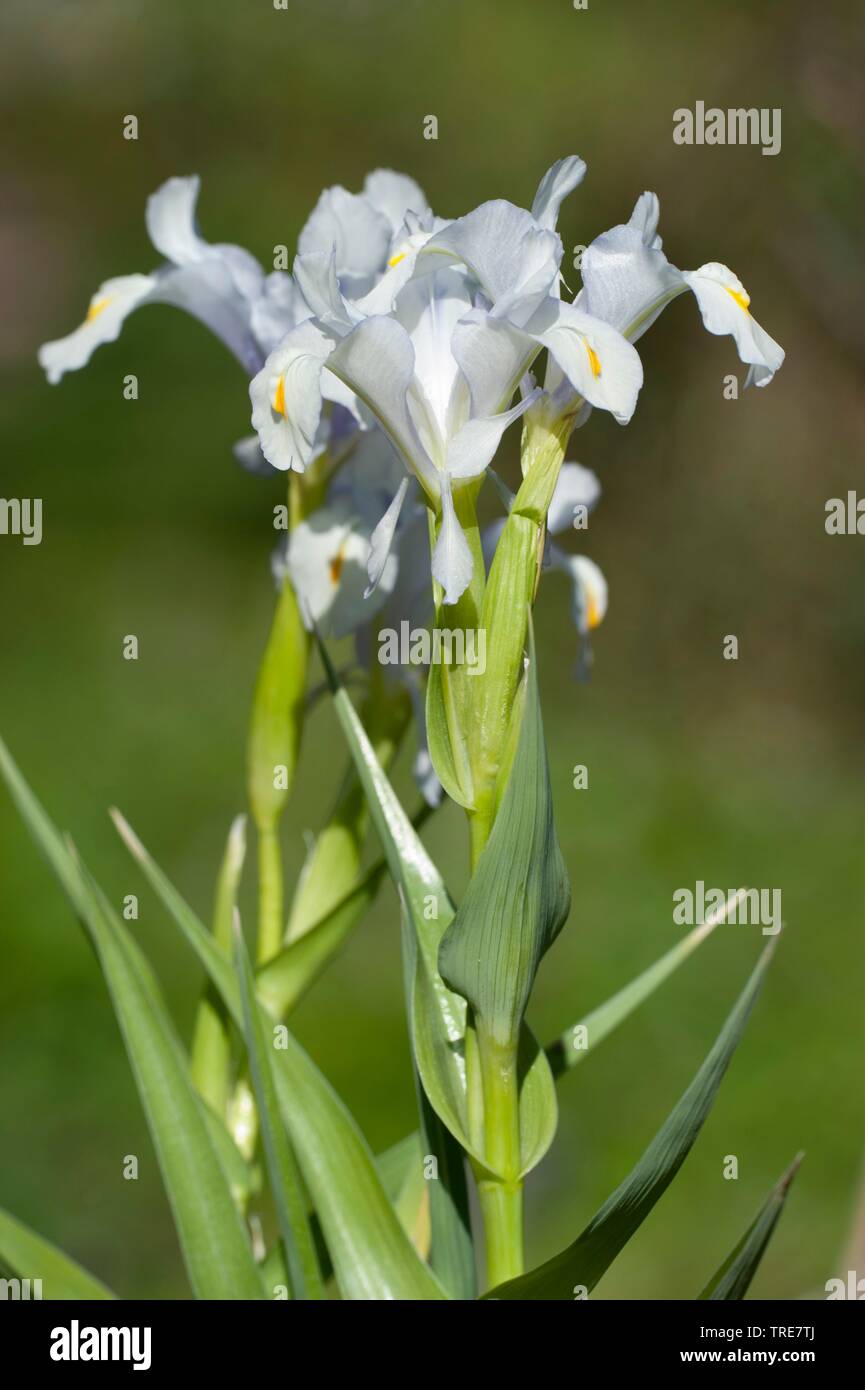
[711, 523]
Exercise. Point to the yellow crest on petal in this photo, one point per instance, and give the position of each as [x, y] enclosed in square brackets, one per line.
[742, 298]
[97, 306]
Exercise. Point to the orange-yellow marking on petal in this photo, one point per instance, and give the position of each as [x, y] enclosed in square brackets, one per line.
[594, 359]
[279, 398]
[97, 307]
[742, 297]
[395, 260]
[593, 612]
[336, 565]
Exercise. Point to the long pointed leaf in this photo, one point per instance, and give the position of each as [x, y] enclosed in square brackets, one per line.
[437, 1016]
[584, 1262]
[210, 1054]
[518, 897]
[567, 1050]
[31, 1257]
[733, 1278]
[215, 1247]
[284, 979]
[452, 1255]
[301, 1259]
[371, 1253]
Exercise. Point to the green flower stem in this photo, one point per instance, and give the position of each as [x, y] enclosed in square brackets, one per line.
[451, 685]
[502, 1211]
[270, 893]
[500, 1190]
[274, 744]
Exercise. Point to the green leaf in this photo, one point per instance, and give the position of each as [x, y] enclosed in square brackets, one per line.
[398, 1162]
[210, 1060]
[28, 1256]
[437, 1016]
[584, 1262]
[518, 897]
[215, 960]
[566, 1052]
[212, 1237]
[401, 1171]
[452, 1254]
[283, 980]
[301, 1259]
[371, 1254]
[733, 1278]
[448, 753]
[332, 866]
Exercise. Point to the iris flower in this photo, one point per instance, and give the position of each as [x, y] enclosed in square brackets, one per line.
[627, 281]
[435, 351]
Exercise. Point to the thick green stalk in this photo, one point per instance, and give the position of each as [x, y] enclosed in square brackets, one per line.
[449, 693]
[501, 1196]
[502, 1211]
[270, 893]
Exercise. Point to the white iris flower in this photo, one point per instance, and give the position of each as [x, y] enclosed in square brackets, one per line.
[436, 348]
[218, 284]
[627, 281]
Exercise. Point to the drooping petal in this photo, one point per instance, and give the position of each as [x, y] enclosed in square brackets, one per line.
[376, 361]
[286, 397]
[452, 558]
[382, 538]
[576, 487]
[394, 195]
[327, 559]
[600, 364]
[590, 593]
[371, 475]
[589, 597]
[207, 290]
[475, 445]
[278, 308]
[109, 307]
[248, 454]
[724, 305]
[493, 355]
[554, 187]
[348, 224]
